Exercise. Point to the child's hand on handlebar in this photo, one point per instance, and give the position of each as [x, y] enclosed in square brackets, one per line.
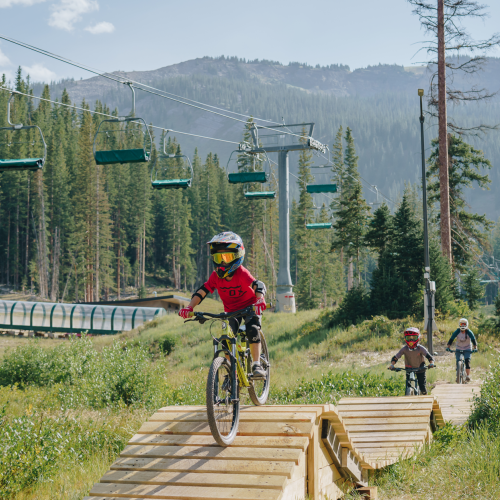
[390, 367]
[432, 365]
[186, 312]
[260, 306]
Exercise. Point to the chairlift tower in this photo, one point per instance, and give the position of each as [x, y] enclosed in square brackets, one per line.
[282, 139]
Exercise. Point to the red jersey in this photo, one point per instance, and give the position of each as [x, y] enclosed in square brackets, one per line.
[235, 294]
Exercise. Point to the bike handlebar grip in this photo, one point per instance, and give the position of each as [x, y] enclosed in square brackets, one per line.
[190, 315]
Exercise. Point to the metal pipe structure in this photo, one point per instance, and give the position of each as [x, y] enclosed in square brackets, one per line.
[429, 286]
[285, 299]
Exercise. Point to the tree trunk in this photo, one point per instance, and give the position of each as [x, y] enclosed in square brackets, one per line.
[8, 251]
[443, 139]
[97, 244]
[26, 260]
[56, 250]
[16, 269]
[350, 274]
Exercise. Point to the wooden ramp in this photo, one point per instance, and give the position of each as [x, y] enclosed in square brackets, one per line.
[281, 452]
[456, 400]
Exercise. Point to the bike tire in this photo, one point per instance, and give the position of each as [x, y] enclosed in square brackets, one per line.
[223, 414]
[460, 378]
[259, 389]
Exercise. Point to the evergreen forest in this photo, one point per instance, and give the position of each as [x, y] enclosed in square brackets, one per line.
[79, 232]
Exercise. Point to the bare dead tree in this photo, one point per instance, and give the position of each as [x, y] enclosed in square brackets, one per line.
[454, 52]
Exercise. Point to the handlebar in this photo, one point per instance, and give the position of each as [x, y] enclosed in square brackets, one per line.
[409, 370]
[461, 351]
[204, 316]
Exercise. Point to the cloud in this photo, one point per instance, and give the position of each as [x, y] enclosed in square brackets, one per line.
[68, 12]
[4, 60]
[39, 73]
[103, 27]
[10, 3]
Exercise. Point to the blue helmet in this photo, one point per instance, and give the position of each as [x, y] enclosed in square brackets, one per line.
[227, 252]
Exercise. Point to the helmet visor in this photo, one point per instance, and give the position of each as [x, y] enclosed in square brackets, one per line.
[223, 258]
[411, 338]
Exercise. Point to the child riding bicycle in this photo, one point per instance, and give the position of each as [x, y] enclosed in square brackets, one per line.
[414, 356]
[464, 337]
[237, 288]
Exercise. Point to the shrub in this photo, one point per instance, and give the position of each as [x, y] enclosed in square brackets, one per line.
[167, 344]
[354, 307]
[486, 408]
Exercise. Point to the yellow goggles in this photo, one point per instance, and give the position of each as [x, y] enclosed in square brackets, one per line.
[227, 258]
[411, 338]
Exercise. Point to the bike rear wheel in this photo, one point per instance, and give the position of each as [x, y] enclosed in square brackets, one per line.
[259, 389]
[223, 413]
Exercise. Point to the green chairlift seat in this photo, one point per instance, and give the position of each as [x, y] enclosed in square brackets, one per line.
[131, 155]
[137, 155]
[171, 184]
[260, 195]
[321, 188]
[29, 164]
[319, 225]
[156, 172]
[244, 177]
[16, 164]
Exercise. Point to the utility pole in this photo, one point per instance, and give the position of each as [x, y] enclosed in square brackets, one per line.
[444, 185]
[430, 286]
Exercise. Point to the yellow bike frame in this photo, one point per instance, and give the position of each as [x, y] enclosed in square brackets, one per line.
[227, 330]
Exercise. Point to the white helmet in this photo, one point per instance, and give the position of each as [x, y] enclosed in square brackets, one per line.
[463, 324]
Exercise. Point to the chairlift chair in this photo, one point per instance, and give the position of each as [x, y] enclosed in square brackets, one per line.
[157, 182]
[322, 188]
[245, 177]
[319, 225]
[132, 155]
[26, 164]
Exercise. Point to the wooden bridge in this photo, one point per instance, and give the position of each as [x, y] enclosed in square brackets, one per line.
[281, 452]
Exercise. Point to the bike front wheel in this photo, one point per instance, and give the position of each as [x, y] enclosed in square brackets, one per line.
[410, 391]
[259, 388]
[460, 374]
[223, 413]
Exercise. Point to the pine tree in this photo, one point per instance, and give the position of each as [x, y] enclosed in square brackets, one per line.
[378, 234]
[469, 231]
[472, 288]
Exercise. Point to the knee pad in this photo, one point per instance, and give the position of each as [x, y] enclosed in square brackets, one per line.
[253, 334]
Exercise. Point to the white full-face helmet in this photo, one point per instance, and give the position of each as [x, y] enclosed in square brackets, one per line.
[463, 324]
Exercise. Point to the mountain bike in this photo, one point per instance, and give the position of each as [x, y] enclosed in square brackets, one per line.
[412, 388]
[230, 371]
[461, 375]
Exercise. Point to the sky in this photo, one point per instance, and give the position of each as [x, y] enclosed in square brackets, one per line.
[143, 35]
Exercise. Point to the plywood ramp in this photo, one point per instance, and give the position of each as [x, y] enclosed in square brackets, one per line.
[276, 456]
[456, 400]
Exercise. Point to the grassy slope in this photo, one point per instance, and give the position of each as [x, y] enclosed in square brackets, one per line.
[301, 349]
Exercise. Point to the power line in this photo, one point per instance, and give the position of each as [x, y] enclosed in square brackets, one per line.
[111, 116]
[127, 81]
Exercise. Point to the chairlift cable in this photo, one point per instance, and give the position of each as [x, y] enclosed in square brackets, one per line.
[124, 81]
[111, 116]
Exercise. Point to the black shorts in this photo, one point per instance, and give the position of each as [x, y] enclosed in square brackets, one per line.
[253, 326]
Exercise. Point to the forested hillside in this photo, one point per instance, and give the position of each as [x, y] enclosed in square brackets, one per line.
[379, 103]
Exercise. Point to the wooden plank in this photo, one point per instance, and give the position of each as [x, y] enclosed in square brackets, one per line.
[387, 427]
[195, 479]
[355, 436]
[312, 465]
[346, 415]
[244, 428]
[295, 490]
[214, 453]
[389, 439]
[386, 444]
[182, 492]
[386, 400]
[199, 466]
[348, 422]
[286, 417]
[384, 407]
[240, 441]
